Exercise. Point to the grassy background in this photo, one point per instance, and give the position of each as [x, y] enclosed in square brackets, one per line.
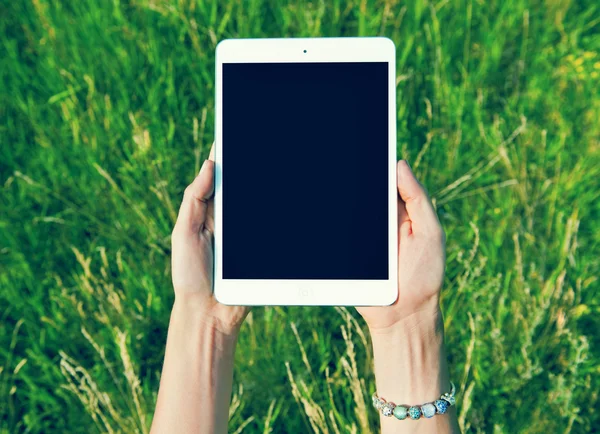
[106, 112]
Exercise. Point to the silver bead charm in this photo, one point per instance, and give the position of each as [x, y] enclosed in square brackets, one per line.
[450, 398]
[388, 409]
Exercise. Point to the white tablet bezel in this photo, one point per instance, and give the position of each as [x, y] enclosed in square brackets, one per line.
[307, 292]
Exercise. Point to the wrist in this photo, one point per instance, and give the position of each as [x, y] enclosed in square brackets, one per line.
[425, 319]
[410, 359]
[411, 369]
[194, 314]
[426, 324]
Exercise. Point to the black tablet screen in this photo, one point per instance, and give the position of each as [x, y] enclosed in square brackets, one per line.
[305, 170]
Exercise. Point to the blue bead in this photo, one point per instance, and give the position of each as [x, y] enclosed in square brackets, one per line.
[441, 406]
[414, 412]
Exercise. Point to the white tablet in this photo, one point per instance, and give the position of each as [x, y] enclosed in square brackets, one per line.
[305, 180]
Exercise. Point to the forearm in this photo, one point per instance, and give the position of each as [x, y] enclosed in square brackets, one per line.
[197, 376]
[411, 369]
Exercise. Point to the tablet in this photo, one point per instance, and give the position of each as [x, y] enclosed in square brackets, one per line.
[305, 172]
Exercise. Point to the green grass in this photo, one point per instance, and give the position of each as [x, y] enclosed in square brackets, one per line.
[106, 112]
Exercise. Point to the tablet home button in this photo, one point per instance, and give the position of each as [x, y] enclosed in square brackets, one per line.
[304, 291]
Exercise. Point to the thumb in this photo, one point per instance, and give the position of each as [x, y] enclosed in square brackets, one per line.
[418, 205]
[192, 212]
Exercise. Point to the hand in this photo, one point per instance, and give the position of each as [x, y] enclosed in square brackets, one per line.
[192, 255]
[421, 257]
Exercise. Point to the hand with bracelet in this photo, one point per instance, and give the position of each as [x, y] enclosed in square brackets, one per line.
[408, 336]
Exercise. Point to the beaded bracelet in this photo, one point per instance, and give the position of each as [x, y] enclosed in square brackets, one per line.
[430, 409]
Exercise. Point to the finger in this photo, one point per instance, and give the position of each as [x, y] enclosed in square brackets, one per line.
[209, 223]
[210, 210]
[211, 155]
[404, 223]
[418, 205]
[193, 209]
